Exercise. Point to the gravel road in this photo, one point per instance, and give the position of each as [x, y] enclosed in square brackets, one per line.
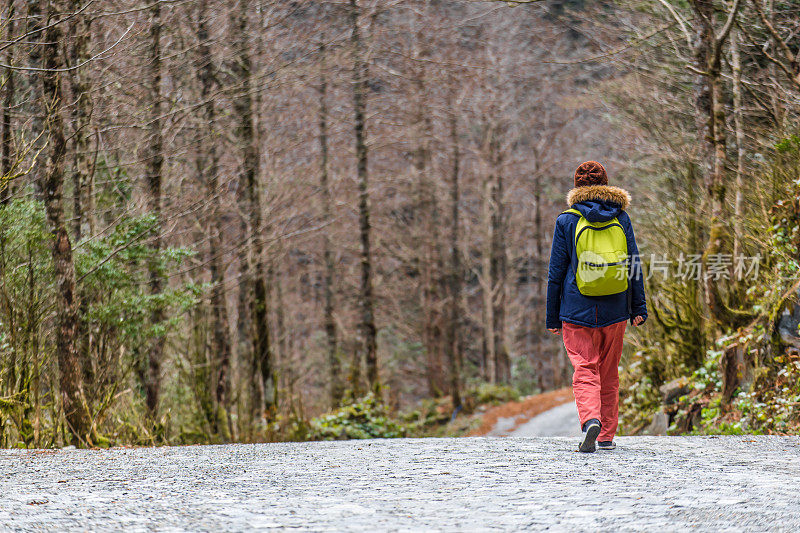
[473, 484]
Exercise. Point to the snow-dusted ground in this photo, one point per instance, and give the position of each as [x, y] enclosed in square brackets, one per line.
[473, 484]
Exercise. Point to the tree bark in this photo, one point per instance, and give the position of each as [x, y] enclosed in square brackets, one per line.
[155, 163]
[452, 329]
[708, 59]
[487, 283]
[494, 265]
[282, 350]
[250, 164]
[738, 211]
[431, 265]
[244, 322]
[82, 197]
[208, 166]
[537, 270]
[73, 401]
[499, 270]
[36, 10]
[80, 33]
[367, 327]
[6, 152]
[334, 364]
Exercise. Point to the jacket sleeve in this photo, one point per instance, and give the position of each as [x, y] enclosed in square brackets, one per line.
[557, 272]
[638, 300]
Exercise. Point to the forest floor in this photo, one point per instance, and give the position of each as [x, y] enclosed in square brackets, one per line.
[475, 484]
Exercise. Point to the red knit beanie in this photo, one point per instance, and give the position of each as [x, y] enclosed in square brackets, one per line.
[590, 173]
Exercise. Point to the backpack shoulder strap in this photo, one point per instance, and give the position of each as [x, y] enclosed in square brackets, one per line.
[580, 218]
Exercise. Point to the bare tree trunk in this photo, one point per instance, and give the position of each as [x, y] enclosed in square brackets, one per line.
[499, 268]
[80, 37]
[282, 351]
[155, 163]
[34, 28]
[493, 275]
[494, 265]
[538, 271]
[6, 153]
[538, 350]
[80, 33]
[259, 312]
[428, 245]
[334, 364]
[452, 328]
[694, 245]
[427, 242]
[716, 184]
[244, 322]
[73, 401]
[367, 327]
[738, 212]
[487, 283]
[208, 164]
[708, 56]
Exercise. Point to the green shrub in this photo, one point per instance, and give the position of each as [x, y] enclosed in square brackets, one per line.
[487, 393]
[366, 418]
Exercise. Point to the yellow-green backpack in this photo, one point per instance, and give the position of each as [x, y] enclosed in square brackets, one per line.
[602, 251]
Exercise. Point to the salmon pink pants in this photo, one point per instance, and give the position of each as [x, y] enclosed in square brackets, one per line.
[595, 354]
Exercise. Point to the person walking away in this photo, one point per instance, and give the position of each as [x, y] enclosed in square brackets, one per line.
[594, 287]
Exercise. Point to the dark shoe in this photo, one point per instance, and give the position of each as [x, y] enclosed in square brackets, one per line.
[591, 429]
[605, 445]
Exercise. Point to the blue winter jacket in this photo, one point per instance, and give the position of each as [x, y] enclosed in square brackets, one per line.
[597, 203]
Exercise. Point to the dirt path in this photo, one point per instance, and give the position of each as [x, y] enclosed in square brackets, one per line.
[503, 420]
[469, 484]
[561, 421]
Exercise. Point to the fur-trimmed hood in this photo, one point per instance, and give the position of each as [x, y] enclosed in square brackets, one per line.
[600, 193]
